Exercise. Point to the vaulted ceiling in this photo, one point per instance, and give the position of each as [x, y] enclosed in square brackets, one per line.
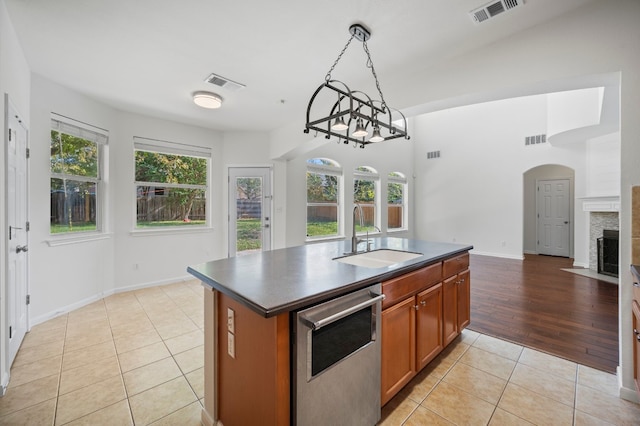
[149, 56]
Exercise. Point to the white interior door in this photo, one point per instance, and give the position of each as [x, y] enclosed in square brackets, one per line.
[553, 206]
[17, 270]
[249, 210]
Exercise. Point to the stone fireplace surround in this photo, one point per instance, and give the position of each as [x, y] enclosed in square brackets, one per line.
[603, 215]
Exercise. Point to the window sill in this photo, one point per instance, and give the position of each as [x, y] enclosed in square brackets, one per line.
[76, 239]
[169, 231]
[324, 239]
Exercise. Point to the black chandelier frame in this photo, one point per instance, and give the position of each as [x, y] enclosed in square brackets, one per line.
[358, 107]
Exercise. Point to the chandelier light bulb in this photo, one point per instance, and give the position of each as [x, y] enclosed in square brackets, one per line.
[360, 131]
[376, 137]
[339, 125]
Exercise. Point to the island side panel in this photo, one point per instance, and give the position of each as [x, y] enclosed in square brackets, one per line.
[209, 416]
[254, 383]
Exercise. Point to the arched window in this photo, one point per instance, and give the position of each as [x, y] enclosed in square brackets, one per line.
[365, 193]
[396, 201]
[324, 181]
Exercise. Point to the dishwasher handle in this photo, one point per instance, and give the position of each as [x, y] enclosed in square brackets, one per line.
[316, 324]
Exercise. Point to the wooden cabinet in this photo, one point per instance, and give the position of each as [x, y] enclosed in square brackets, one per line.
[456, 297]
[411, 334]
[422, 314]
[398, 348]
[428, 325]
[635, 306]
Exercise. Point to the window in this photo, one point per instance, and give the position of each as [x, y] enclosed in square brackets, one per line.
[171, 184]
[323, 197]
[76, 193]
[396, 201]
[365, 188]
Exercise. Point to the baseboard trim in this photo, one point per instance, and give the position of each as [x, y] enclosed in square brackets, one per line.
[624, 392]
[86, 301]
[502, 255]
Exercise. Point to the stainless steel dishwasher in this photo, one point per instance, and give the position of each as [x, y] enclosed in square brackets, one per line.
[336, 349]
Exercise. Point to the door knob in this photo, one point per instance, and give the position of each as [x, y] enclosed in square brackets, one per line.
[21, 248]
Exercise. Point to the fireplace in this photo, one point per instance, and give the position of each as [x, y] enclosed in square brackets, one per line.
[608, 253]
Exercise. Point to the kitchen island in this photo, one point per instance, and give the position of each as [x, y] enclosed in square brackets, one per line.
[250, 302]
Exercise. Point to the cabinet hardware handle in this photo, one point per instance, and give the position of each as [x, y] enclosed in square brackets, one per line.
[416, 307]
[638, 338]
[635, 331]
[423, 302]
[636, 285]
[461, 281]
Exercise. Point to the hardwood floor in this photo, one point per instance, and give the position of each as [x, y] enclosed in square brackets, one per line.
[536, 304]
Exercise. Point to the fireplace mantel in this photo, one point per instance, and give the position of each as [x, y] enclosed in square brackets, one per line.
[601, 203]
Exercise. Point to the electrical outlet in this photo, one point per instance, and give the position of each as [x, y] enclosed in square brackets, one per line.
[231, 320]
[231, 345]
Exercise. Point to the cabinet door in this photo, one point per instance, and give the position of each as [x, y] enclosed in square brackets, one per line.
[450, 309]
[428, 325]
[398, 347]
[464, 300]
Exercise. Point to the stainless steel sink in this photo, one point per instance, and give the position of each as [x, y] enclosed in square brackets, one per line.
[378, 258]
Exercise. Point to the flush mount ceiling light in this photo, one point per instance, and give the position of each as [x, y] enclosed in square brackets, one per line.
[364, 116]
[207, 99]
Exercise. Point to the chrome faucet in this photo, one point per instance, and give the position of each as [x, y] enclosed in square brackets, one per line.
[354, 239]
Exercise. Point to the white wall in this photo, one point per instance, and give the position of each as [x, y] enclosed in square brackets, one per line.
[474, 193]
[150, 258]
[15, 82]
[253, 149]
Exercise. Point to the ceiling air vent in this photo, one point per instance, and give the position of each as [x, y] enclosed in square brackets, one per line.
[220, 81]
[492, 9]
[536, 139]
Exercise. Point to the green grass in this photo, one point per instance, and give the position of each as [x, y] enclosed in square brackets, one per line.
[319, 229]
[249, 234]
[326, 229]
[75, 227]
[142, 224]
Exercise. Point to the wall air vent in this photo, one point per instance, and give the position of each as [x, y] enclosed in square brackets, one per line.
[492, 9]
[433, 154]
[535, 140]
[224, 82]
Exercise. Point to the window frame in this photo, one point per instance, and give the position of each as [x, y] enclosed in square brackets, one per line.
[179, 149]
[402, 180]
[333, 169]
[372, 175]
[100, 137]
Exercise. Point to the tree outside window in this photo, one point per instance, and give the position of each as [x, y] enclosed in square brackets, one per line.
[396, 199]
[170, 188]
[75, 177]
[323, 194]
[364, 193]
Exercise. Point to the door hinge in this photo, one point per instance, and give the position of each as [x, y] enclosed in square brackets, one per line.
[28, 299]
[10, 131]
[28, 153]
[10, 332]
[28, 226]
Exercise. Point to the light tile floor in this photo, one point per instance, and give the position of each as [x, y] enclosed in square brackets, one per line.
[481, 380]
[131, 358]
[137, 358]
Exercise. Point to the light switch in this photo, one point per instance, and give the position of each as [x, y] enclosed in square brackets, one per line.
[231, 320]
[231, 345]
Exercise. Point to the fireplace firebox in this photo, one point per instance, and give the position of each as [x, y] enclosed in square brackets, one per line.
[608, 253]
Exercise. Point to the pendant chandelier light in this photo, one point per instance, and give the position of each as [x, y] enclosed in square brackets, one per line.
[353, 116]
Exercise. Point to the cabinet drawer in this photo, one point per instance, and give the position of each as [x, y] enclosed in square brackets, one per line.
[455, 265]
[399, 288]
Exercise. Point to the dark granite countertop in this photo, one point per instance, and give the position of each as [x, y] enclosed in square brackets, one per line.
[284, 280]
